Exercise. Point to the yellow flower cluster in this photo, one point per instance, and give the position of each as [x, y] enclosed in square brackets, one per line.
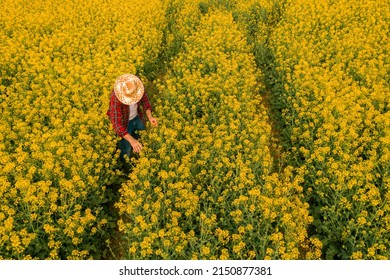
[182, 18]
[212, 181]
[58, 62]
[203, 187]
[256, 16]
[334, 63]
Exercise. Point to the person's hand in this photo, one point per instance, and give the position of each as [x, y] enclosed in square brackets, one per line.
[136, 145]
[153, 121]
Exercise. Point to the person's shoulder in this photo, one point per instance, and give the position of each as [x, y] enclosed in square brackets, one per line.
[113, 96]
[145, 95]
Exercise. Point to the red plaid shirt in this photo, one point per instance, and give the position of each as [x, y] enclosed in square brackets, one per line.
[119, 113]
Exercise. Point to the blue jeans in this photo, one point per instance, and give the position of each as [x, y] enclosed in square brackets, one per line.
[132, 128]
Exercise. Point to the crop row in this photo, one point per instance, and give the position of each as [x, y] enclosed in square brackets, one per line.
[58, 62]
[332, 60]
[203, 187]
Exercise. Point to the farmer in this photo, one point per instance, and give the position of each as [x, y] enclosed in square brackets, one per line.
[128, 103]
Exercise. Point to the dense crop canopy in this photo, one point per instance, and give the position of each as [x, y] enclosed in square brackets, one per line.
[273, 138]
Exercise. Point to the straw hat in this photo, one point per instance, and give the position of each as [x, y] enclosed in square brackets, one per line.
[128, 89]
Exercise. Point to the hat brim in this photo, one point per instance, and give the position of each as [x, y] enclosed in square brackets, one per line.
[120, 93]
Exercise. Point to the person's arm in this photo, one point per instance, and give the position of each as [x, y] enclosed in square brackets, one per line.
[148, 109]
[152, 119]
[115, 114]
[135, 144]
